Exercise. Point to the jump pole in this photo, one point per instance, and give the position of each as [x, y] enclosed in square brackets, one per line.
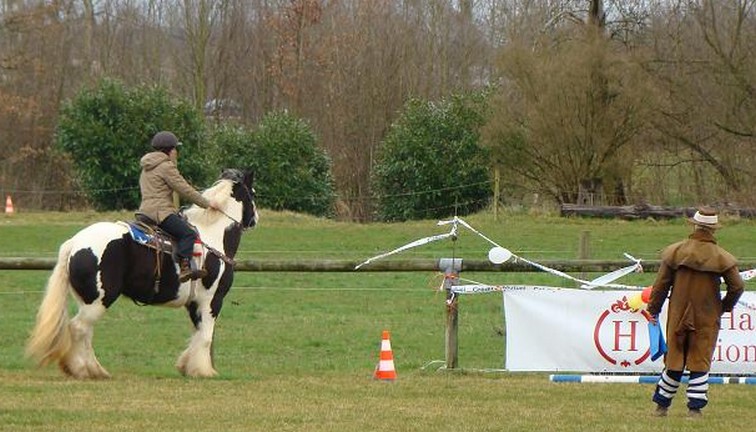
[642, 379]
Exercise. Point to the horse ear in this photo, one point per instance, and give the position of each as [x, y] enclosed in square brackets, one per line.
[249, 177]
[226, 173]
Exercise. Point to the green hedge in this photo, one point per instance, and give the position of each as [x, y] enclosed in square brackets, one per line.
[431, 164]
[291, 171]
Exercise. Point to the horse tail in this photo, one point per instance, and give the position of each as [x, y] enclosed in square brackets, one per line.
[51, 338]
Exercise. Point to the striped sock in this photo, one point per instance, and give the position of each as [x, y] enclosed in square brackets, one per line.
[666, 388]
[698, 387]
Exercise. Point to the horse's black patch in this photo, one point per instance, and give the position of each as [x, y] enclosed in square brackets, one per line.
[212, 265]
[224, 285]
[139, 282]
[196, 318]
[113, 265]
[245, 194]
[231, 239]
[82, 273]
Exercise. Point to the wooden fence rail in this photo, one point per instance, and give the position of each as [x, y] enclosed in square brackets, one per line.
[413, 265]
[644, 211]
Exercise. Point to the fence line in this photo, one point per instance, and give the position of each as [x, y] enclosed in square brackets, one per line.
[416, 265]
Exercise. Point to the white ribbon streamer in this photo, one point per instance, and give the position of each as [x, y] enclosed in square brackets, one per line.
[416, 243]
[604, 281]
[466, 225]
[611, 277]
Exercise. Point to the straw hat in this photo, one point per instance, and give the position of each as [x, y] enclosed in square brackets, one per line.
[705, 217]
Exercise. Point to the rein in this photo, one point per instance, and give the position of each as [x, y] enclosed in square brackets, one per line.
[223, 257]
[230, 217]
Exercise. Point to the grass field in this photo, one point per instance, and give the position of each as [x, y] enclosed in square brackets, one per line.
[296, 351]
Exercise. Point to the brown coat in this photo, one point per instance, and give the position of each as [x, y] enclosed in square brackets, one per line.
[159, 179]
[692, 269]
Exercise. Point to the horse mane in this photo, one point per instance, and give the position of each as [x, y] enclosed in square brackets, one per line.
[220, 191]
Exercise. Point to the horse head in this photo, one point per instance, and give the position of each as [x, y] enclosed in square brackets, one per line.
[235, 195]
[243, 192]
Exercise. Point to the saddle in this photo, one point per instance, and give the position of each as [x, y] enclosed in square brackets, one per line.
[145, 231]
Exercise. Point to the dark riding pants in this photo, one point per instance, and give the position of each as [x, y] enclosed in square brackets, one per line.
[182, 232]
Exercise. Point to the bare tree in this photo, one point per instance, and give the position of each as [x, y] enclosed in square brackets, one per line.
[38, 64]
[705, 58]
[294, 26]
[571, 107]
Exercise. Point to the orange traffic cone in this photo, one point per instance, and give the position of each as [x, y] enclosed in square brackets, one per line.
[385, 369]
[9, 205]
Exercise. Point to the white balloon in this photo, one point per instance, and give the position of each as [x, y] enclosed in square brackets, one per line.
[499, 255]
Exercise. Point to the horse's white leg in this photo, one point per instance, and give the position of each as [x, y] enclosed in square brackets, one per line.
[81, 362]
[197, 359]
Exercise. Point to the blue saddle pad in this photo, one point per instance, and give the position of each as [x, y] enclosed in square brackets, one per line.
[139, 235]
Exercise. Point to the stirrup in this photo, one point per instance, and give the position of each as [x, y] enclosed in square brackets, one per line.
[192, 272]
[185, 276]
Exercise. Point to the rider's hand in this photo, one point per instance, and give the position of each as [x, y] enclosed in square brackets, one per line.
[215, 204]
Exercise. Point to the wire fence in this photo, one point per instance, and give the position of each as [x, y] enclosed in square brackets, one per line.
[362, 207]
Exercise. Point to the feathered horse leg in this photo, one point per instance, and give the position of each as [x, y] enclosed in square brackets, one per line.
[81, 361]
[197, 358]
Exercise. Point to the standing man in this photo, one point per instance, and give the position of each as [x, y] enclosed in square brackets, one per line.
[693, 270]
[160, 177]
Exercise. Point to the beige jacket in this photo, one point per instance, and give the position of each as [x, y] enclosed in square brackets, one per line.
[159, 179]
[691, 269]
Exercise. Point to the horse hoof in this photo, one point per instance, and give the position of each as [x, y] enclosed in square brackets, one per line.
[83, 373]
[101, 375]
[198, 373]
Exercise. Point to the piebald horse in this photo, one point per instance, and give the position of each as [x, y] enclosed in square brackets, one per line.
[103, 261]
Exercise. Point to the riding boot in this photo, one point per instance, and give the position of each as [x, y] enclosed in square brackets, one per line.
[185, 270]
[188, 270]
[196, 273]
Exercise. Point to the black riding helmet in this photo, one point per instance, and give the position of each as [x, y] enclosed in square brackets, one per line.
[164, 140]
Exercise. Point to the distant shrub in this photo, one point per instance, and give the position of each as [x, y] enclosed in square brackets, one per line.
[291, 171]
[431, 164]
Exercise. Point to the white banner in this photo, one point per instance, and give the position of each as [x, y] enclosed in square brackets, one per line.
[567, 330]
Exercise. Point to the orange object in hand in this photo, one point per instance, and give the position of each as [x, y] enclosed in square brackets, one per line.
[646, 294]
